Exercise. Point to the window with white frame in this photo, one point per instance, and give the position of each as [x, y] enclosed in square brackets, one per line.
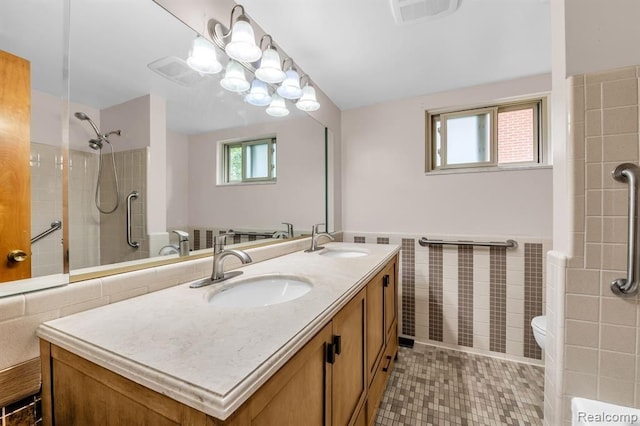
[249, 161]
[505, 135]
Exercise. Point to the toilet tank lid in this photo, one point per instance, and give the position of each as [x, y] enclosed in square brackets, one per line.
[540, 323]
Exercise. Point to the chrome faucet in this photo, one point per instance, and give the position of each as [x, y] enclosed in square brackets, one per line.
[219, 254]
[183, 242]
[289, 228]
[315, 235]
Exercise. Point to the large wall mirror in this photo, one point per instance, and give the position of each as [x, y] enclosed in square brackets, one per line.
[149, 139]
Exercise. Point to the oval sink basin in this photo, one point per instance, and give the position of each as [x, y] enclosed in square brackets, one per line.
[260, 291]
[342, 253]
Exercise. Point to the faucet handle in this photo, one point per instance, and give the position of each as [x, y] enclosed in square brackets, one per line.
[314, 229]
[182, 235]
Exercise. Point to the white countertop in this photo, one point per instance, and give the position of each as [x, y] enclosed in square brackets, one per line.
[214, 358]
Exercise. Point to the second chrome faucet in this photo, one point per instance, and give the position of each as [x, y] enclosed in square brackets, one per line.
[315, 235]
[219, 254]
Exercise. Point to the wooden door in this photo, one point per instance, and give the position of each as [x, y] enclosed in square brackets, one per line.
[15, 201]
[349, 369]
[376, 330]
[390, 298]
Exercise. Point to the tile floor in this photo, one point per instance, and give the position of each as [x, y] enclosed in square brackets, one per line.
[436, 386]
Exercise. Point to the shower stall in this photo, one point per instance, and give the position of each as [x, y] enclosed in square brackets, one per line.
[105, 216]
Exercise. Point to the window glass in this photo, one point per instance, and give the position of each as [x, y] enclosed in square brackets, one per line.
[257, 161]
[468, 139]
[234, 163]
[248, 161]
[516, 136]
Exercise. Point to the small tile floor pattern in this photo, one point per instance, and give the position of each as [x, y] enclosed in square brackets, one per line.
[436, 386]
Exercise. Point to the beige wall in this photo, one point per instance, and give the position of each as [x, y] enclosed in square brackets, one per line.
[601, 34]
[602, 358]
[297, 196]
[177, 181]
[385, 188]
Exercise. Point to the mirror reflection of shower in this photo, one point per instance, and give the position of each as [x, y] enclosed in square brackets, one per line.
[97, 144]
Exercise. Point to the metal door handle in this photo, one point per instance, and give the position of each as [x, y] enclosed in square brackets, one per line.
[17, 256]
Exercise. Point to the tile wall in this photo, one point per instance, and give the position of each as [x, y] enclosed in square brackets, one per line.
[46, 207]
[100, 239]
[477, 299]
[132, 176]
[84, 219]
[602, 355]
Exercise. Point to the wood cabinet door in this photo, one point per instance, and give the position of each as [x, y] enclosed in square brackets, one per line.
[15, 199]
[349, 369]
[299, 394]
[376, 330]
[390, 298]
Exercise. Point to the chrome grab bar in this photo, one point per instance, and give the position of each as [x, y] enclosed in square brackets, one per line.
[508, 244]
[628, 173]
[55, 225]
[133, 195]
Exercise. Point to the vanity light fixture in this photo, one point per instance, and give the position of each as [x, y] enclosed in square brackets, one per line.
[243, 54]
[308, 101]
[234, 79]
[277, 107]
[270, 70]
[259, 93]
[242, 46]
[290, 87]
[202, 57]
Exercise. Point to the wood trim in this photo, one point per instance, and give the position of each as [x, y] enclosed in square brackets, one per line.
[47, 395]
[19, 381]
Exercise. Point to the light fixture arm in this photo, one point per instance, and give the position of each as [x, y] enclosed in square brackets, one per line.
[269, 44]
[284, 61]
[303, 78]
[241, 16]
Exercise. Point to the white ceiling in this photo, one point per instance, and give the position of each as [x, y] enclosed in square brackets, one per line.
[358, 55]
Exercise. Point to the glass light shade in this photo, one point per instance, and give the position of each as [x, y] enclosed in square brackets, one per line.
[234, 79]
[202, 57]
[290, 87]
[259, 94]
[277, 108]
[270, 70]
[242, 46]
[308, 101]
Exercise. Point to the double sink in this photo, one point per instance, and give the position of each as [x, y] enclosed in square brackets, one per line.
[270, 289]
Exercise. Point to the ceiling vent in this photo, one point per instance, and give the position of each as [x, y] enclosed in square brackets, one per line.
[177, 70]
[405, 11]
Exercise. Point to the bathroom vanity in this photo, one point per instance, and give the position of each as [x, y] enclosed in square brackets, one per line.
[174, 357]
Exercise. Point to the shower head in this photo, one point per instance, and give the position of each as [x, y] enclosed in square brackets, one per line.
[83, 116]
[95, 144]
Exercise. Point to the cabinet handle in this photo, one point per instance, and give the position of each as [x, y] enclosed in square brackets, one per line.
[385, 280]
[388, 363]
[331, 355]
[337, 344]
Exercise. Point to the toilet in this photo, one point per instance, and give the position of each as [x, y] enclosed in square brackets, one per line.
[539, 326]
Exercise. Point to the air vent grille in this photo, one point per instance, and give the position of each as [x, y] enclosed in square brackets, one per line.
[177, 70]
[405, 11]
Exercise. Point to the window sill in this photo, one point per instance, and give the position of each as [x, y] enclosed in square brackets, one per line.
[487, 169]
[259, 182]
